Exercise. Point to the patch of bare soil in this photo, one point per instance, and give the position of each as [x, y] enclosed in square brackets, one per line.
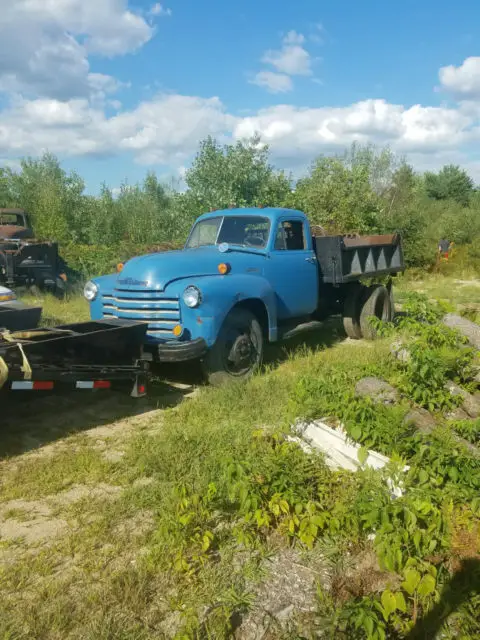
[287, 593]
[81, 491]
[361, 577]
[468, 283]
[33, 522]
[137, 526]
[41, 425]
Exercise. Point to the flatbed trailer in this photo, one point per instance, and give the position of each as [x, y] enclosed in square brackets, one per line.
[85, 355]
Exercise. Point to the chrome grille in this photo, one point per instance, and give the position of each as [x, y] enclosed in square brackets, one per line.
[161, 313]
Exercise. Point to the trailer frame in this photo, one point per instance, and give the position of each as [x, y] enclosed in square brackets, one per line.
[87, 355]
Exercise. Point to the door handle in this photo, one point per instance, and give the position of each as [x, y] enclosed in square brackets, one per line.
[311, 259]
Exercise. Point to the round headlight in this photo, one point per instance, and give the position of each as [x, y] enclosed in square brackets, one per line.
[90, 291]
[192, 297]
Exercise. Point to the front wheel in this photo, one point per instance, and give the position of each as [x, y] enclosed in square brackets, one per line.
[238, 351]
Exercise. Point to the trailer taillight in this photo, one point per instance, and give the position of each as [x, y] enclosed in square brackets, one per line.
[102, 384]
[42, 385]
[32, 385]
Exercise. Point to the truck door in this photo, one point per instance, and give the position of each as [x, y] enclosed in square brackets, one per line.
[292, 269]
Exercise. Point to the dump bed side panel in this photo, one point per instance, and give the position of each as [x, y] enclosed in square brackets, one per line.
[347, 258]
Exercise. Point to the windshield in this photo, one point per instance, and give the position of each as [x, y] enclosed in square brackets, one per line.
[244, 231]
[11, 219]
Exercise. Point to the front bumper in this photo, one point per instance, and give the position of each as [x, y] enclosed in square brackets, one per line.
[176, 351]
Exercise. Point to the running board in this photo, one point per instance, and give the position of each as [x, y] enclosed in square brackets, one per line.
[285, 333]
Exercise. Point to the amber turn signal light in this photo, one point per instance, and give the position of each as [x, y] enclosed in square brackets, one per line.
[119, 267]
[223, 268]
[177, 330]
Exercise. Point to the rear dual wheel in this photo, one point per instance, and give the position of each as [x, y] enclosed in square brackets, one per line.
[361, 304]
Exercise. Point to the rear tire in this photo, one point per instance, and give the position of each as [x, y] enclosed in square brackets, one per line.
[351, 312]
[378, 303]
[238, 351]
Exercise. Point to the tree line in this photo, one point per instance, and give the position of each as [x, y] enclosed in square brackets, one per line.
[365, 190]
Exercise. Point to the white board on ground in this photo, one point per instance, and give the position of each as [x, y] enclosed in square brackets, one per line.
[342, 453]
[339, 451]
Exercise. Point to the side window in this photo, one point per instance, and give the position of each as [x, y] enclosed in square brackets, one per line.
[290, 236]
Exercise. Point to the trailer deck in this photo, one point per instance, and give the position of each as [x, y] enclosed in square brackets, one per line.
[86, 355]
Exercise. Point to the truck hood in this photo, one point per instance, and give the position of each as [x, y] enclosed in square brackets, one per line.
[11, 231]
[157, 270]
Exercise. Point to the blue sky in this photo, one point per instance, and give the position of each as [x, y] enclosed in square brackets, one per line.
[117, 87]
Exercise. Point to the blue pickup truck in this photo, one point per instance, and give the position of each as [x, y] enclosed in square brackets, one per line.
[244, 278]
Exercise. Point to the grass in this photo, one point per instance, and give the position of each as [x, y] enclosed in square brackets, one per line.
[180, 549]
[74, 308]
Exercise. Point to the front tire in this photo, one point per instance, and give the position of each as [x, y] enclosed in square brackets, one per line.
[238, 351]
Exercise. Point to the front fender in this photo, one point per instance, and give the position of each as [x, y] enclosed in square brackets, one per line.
[106, 285]
[219, 295]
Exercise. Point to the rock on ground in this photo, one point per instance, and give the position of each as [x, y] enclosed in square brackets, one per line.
[376, 389]
[457, 414]
[421, 419]
[470, 404]
[400, 351]
[464, 326]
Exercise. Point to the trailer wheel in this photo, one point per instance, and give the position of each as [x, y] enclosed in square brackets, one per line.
[351, 312]
[238, 351]
[378, 303]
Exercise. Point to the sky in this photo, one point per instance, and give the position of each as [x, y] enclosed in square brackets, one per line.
[115, 88]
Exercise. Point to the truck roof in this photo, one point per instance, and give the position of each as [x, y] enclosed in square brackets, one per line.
[266, 212]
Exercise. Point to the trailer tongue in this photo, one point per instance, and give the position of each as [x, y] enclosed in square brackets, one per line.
[85, 355]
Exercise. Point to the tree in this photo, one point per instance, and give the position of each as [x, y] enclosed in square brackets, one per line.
[339, 197]
[450, 183]
[53, 197]
[381, 164]
[235, 174]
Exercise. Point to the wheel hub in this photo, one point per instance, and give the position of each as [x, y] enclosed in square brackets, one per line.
[241, 350]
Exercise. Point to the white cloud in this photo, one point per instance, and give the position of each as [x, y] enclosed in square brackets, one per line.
[45, 44]
[292, 59]
[293, 38]
[159, 10]
[296, 132]
[274, 82]
[464, 80]
[318, 33]
[108, 26]
[165, 130]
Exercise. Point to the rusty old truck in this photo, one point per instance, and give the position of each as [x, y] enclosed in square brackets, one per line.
[25, 260]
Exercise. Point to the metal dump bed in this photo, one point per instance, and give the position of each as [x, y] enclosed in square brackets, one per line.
[346, 258]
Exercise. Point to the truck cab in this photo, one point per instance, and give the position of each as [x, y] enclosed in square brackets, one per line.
[242, 279]
[253, 266]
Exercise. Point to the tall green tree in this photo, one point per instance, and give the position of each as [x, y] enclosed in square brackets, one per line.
[339, 197]
[235, 174]
[52, 196]
[450, 183]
